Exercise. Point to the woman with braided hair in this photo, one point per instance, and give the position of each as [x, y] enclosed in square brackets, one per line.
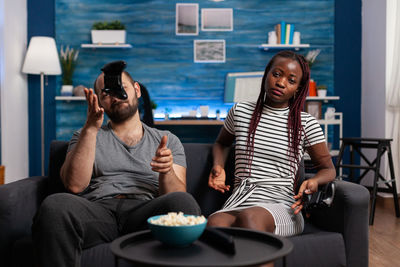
[271, 137]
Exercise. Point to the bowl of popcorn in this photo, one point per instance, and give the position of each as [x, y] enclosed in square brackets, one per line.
[177, 229]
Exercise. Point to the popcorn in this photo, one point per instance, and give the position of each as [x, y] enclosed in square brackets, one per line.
[178, 219]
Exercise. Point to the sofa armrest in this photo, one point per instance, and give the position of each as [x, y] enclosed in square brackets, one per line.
[19, 202]
[348, 215]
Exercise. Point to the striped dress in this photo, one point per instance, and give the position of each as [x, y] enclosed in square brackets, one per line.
[272, 175]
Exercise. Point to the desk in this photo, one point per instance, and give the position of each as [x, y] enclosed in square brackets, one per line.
[192, 131]
[252, 248]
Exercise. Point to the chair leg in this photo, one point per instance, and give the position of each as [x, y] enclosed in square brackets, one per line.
[352, 179]
[394, 188]
[375, 187]
[339, 159]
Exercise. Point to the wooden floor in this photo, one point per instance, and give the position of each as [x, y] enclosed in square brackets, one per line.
[384, 235]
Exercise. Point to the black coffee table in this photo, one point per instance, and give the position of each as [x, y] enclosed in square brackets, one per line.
[252, 248]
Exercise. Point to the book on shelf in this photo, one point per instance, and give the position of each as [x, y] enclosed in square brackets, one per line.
[291, 34]
[283, 32]
[278, 33]
[287, 33]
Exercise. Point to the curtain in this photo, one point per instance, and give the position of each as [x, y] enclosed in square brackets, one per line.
[393, 100]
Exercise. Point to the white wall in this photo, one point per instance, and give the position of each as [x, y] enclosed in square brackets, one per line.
[373, 81]
[373, 68]
[377, 53]
[14, 95]
[391, 116]
[390, 21]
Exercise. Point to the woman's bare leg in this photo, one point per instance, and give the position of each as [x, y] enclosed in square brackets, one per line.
[221, 219]
[255, 218]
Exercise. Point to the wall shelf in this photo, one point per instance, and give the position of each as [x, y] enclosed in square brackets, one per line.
[333, 153]
[70, 98]
[283, 46]
[320, 98]
[188, 122]
[106, 45]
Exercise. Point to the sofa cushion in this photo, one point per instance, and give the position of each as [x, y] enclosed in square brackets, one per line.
[208, 199]
[58, 151]
[99, 255]
[322, 249]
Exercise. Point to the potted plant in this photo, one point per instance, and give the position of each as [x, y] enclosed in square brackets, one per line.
[310, 58]
[68, 59]
[322, 90]
[153, 106]
[105, 32]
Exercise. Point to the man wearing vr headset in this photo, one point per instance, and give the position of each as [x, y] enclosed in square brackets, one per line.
[119, 174]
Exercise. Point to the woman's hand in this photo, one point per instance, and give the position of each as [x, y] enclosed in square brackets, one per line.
[309, 186]
[95, 114]
[216, 179]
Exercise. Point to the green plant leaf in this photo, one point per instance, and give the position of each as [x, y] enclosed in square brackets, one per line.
[153, 104]
[68, 60]
[108, 25]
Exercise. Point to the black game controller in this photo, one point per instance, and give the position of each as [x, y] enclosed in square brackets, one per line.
[219, 240]
[112, 79]
[323, 198]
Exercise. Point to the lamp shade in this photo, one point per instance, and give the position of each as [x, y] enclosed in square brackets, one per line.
[42, 57]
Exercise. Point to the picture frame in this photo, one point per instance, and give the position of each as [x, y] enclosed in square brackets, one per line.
[209, 51]
[314, 108]
[217, 19]
[187, 19]
[242, 86]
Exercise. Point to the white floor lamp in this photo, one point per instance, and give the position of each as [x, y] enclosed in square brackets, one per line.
[42, 58]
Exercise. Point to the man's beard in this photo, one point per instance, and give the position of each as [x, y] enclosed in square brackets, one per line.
[119, 114]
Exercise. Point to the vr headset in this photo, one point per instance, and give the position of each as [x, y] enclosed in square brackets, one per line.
[112, 79]
[323, 198]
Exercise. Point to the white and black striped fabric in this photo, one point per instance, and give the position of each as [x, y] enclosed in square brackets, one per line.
[270, 184]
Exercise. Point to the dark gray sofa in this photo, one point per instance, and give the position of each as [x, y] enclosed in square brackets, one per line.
[337, 236]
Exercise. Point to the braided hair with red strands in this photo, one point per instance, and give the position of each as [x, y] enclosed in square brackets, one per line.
[296, 104]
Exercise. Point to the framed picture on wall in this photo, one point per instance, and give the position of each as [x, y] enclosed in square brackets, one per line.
[209, 51]
[314, 108]
[217, 19]
[187, 19]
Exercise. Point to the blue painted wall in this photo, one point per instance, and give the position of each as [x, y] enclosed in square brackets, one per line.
[348, 64]
[40, 23]
[163, 61]
[345, 55]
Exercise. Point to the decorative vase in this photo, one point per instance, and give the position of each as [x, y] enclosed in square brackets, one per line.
[218, 114]
[79, 90]
[321, 92]
[312, 88]
[204, 111]
[66, 90]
